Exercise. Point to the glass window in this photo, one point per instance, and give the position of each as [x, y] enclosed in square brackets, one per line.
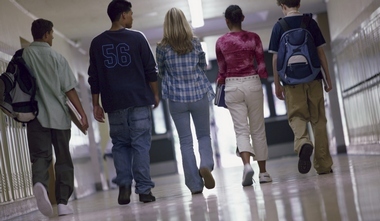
[279, 105]
[266, 105]
[159, 119]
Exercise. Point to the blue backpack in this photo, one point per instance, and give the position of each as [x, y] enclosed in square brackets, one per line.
[297, 60]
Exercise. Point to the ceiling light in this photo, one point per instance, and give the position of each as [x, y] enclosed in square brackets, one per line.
[196, 13]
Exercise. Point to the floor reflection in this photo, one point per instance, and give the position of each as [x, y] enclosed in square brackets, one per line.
[352, 192]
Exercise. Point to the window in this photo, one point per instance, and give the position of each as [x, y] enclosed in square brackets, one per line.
[159, 119]
[279, 105]
[266, 103]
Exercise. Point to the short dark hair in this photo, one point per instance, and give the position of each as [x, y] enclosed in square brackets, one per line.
[234, 14]
[40, 27]
[289, 3]
[116, 8]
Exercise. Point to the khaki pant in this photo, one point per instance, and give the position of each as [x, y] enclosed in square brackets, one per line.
[244, 98]
[305, 103]
[40, 141]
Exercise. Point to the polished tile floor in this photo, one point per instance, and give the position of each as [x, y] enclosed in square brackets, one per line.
[352, 192]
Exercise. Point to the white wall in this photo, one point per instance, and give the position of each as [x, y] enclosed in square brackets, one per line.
[14, 24]
[346, 15]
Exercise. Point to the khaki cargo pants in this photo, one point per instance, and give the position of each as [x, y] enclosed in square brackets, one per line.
[305, 103]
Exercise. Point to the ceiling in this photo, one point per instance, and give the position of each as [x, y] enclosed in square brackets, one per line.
[81, 20]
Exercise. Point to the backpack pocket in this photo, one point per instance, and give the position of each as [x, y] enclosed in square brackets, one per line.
[298, 70]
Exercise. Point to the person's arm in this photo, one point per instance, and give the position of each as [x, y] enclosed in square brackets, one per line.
[74, 99]
[97, 109]
[277, 84]
[324, 64]
[221, 64]
[259, 55]
[202, 55]
[150, 69]
[154, 87]
[160, 58]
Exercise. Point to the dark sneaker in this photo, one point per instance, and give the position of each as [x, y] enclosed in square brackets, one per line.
[196, 192]
[147, 198]
[331, 171]
[304, 163]
[207, 177]
[124, 195]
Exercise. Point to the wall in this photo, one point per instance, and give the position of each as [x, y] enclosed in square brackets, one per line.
[355, 49]
[347, 15]
[15, 24]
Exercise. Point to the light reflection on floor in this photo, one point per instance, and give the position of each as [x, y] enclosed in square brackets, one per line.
[352, 192]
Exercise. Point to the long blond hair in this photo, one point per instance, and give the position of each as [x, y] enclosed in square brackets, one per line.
[177, 32]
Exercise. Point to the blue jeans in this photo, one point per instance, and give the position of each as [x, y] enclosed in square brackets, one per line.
[130, 131]
[200, 113]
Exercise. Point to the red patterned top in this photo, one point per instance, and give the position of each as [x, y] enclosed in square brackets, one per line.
[236, 52]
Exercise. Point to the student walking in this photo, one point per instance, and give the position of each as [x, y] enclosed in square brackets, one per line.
[56, 82]
[236, 54]
[123, 72]
[304, 101]
[182, 65]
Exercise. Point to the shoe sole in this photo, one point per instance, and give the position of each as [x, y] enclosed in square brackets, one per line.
[124, 202]
[146, 198]
[147, 201]
[43, 202]
[304, 163]
[196, 192]
[265, 181]
[323, 173]
[207, 177]
[64, 213]
[64, 210]
[248, 179]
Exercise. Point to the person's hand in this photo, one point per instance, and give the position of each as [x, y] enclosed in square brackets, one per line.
[220, 81]
[99, 114]
[280, 92]
[328, 87]
[156, 101]
[84, 122]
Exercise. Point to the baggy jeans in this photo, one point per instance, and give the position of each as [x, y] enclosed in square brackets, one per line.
[130, 131]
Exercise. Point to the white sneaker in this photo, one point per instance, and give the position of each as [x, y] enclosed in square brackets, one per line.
[43, 202]
[265, 178]
[64, 210]
[247, 175]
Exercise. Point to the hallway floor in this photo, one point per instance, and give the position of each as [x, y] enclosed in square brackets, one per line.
[352, 192]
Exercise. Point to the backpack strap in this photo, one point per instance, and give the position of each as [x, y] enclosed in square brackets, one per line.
[306, 18]
[284, 24]
[19, 53]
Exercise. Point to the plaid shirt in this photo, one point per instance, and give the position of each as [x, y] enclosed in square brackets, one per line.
[183, 76]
